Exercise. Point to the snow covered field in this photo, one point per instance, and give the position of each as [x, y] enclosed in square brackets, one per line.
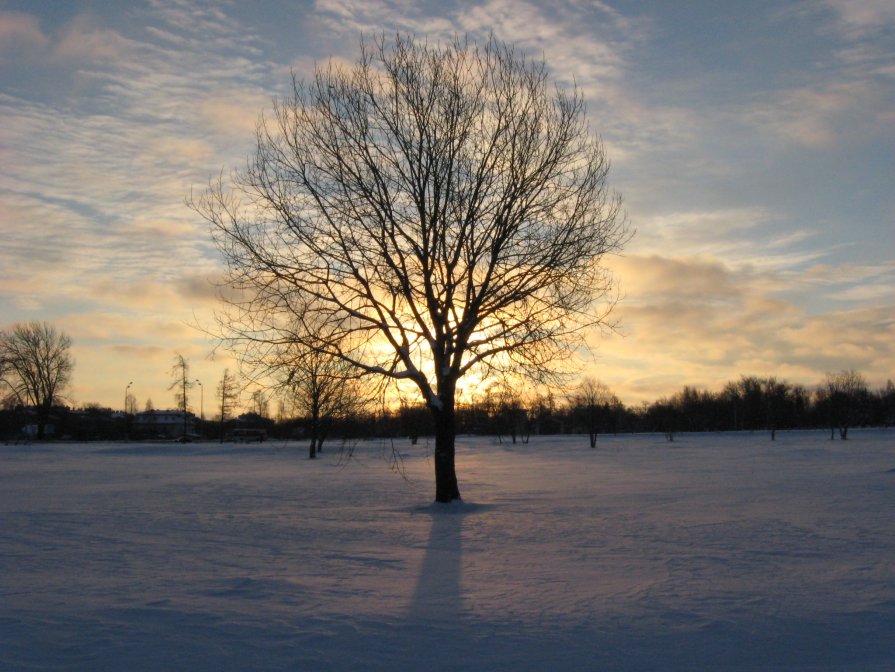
[716, 552]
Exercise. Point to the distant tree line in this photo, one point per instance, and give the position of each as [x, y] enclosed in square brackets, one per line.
[841, 401]
[320, 399]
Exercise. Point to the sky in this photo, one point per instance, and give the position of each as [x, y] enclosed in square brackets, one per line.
[753, 144]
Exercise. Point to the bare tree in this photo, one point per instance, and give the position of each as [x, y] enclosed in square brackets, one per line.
[35, 366]
[776, 393]
[320, 387]
[181, 387]
[511, 413]
[594, 399]
[260, 403]
[431, 211]
[228, 395]
[843, 397]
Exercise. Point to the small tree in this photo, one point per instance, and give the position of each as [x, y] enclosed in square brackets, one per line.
[35, 367]
[432, 211]
[776, 396]
[844, 397]
[228, 396]
[260, 403]
[181, 386]
[415, 420]
[320, 387]
[595, 400]
[512, 416]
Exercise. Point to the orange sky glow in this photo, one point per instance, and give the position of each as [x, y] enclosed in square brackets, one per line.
[754, 150]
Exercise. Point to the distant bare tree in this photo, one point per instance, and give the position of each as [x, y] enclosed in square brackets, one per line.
[844, 397]
[35, 366]
[181, 387]
[512, 416]
[593, 397]
[775, 393]
[228, 395]
[260, 404]
[430, 211]
[320, 387]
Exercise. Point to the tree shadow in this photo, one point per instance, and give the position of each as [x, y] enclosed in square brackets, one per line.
[438, 594]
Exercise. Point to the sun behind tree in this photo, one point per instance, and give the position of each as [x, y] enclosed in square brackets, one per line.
[432, 211]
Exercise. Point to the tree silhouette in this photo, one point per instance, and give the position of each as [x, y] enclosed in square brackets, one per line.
[319, 386]
[228, 395]
[843, 398]
[35, 366]
[432, 211]
[594, 400]
[181, 386]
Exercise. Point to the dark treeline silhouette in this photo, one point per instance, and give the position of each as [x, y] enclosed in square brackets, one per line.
[752, 403]
[842, 401]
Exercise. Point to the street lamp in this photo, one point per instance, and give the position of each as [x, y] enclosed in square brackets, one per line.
[126, 428]
[201, 399]
[201, 402]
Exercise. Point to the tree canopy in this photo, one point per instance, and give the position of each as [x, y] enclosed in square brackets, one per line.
[433, 210]
[35, 366]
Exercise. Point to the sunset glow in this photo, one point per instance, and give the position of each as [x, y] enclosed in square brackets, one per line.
[754, 149]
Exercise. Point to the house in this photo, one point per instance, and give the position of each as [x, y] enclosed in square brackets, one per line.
[164, 424]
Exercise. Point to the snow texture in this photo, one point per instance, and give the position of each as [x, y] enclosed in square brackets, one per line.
[715, 552]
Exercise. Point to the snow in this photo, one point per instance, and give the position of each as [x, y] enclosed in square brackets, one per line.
[717, 551]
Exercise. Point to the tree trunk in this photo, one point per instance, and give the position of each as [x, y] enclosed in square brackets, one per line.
[315, 431]
[446, 487]
[43, 415]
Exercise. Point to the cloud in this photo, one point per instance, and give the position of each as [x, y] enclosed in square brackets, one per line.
[353, 18]
[865, 293]
[82, 40]
[199, 288]
[676, 279]
[127, 115]
[575, 46]
[709, 322]
[77, 42]
[20, 36]
[823, 115]
[849, 99]
[728, 234]
[229, 113]
[147, 367]
[198, 26]
[552, 30]
[864, 16]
